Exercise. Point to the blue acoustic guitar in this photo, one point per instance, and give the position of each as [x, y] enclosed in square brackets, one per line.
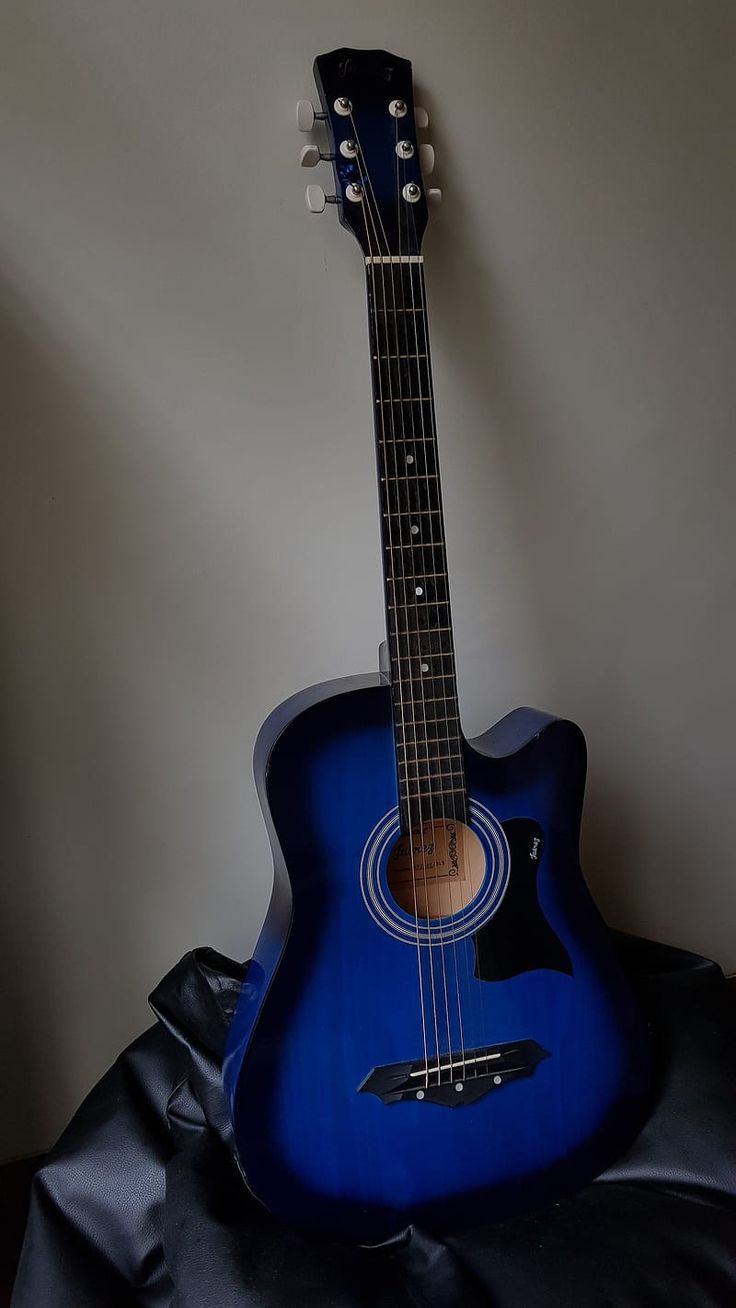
[434, 1027]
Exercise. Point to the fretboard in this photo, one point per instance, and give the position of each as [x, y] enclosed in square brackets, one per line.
[429, 748]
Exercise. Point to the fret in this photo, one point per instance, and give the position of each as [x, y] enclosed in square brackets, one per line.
[421, 605]
[411, 440]
[441, 760]
[441, 773]
[399, 356]
[443, 719]
[405, 399]
[451, 761]
[437, 790]
[405, 476]
[430, 631]
[433, 758]
[435, 771]
[439, 699]
[412, 513]
[411, 546]
[419, 576]
[404, 706]
[418, 716]
[408, 622]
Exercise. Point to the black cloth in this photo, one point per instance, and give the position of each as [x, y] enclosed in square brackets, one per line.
[140, 1202]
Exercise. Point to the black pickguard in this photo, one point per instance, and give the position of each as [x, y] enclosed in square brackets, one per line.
[518, 937]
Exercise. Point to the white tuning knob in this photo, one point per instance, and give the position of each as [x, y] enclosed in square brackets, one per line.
[434, 194]
[309, 155]
[426, 159]
[305, 115]
[315, 199]
[421, 118]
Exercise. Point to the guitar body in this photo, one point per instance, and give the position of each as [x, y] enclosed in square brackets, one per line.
[332, 1132]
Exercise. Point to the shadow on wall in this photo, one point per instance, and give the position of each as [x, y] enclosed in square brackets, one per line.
[85, 784]
[64, 597]
[573, 575]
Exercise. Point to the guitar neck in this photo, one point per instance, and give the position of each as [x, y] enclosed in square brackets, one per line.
[427, 733]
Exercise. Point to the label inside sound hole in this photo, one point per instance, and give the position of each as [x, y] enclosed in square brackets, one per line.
[438, 871]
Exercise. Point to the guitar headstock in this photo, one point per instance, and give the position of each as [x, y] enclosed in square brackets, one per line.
[367, 105]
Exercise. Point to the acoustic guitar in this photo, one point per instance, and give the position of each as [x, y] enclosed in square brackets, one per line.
[434, 1027]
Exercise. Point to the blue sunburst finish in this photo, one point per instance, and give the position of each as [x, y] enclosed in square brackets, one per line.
[330, 995]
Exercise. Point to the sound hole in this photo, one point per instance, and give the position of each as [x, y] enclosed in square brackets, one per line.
[438, 872]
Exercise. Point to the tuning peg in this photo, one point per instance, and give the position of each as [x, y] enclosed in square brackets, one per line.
[305, 115]
[310, 155]
[421, 118]
[315, 199]
[426, 159]
[434, 195]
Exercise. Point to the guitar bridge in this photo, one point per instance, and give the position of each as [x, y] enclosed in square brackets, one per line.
[454, 1079]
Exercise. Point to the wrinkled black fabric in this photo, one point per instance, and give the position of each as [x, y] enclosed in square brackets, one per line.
[141, 1202]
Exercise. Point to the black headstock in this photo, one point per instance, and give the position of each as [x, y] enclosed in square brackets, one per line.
[367, 102]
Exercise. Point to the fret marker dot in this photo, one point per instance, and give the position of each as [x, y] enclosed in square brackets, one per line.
[410, 458]
[419, 590]
[424, 667]
[414, 529]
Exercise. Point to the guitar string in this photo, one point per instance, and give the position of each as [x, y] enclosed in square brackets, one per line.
[419, 656]
[430, 789]
[410, 834]
[383, 446]
[430, 954]
[475, 996]
[411, 219]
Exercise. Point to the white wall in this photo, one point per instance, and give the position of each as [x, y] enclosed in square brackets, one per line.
[188, 501]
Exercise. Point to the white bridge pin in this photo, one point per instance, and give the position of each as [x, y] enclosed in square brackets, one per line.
[459, 1086]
